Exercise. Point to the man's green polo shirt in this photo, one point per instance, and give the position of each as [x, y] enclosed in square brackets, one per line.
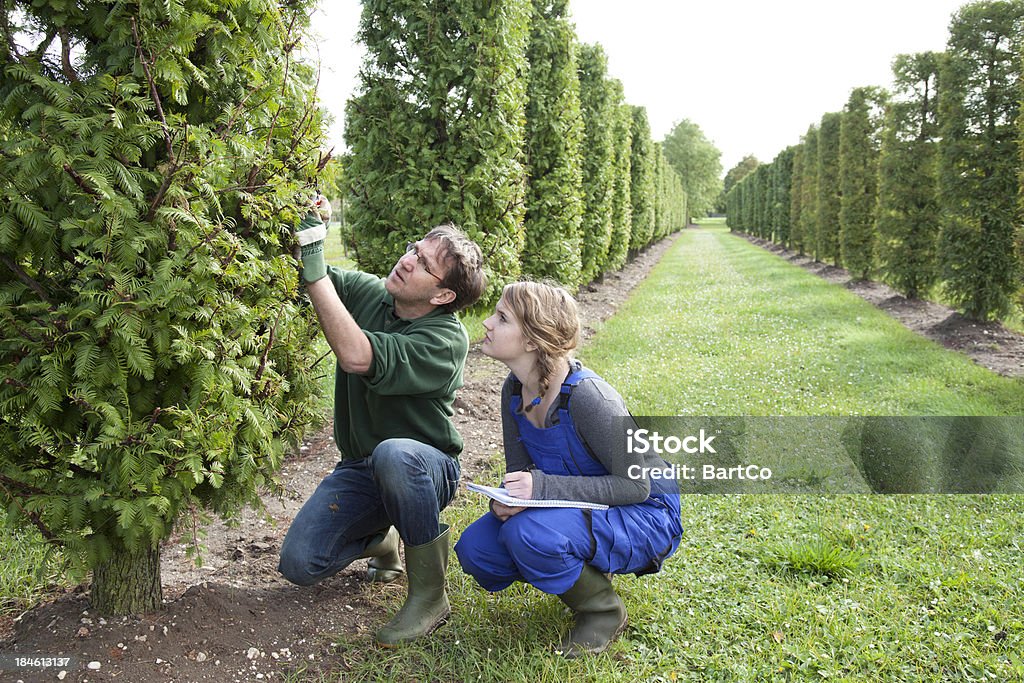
[410, 388]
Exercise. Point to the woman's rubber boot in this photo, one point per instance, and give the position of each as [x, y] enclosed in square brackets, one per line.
[599, 613]
[426, 606]
[385, 565]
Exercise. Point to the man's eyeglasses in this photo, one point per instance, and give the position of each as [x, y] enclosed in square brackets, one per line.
[413, 248]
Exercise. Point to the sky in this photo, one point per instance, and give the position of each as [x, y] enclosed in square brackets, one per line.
[752, 74]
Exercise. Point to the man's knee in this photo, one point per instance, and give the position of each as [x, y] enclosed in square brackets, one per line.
[294, 564]
[394, 460]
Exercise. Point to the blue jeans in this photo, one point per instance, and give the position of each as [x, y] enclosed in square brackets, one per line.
[403, 483]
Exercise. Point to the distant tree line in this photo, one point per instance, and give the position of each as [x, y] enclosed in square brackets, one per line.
[920, 186]
[494, 116]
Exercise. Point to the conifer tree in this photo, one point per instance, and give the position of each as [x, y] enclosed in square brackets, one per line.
[796, 236]
[827, 233]
[908, 201]
[762, 201]
[642, 180]
[979, 103]
[782, 181]
[622, 206]
[859, 145]
[436, 129]
[809, 195]
[598, 158]
[554, 134]
[732, 208]
[154, 160]
[736, 174]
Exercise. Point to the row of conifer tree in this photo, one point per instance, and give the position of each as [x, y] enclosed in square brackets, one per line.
[498, 119]
[919, 186]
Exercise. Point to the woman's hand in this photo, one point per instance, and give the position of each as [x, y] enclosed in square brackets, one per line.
[519, 485]
[502, 511]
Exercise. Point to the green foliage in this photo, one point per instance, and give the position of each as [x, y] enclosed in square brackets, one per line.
[643, 184]
[827, 219]
[859, 147]
[809, 194]
[622, 205]
[761, 188]
[671, 206]
[735, 175]
[908, 203]
[697, 162]
[796, 206]
[436, 131]
[154, 352]
[554, 133]
[781, 181]
[599, 118]
[979, 104]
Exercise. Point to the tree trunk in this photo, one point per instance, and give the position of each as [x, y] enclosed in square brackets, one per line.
[128, 583]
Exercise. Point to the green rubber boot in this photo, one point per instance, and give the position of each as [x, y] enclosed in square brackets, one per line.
[427, 603]
[600, 615]
[385, 565]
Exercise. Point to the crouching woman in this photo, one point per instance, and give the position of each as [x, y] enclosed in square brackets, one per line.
[563, 430]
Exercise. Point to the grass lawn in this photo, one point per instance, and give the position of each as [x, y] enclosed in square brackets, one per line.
[768, 587]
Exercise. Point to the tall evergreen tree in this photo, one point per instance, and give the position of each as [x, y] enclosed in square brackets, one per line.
[735, 174]
[809, 194]
[554, 134]
[622, 205]
[598, 158]
[827, 233]
[436, 129]
[908, 202]
[796, 235]
[782, 182]
[979, 102]
[153, 354]
[859, 146]
[642, 181]
[762, 201]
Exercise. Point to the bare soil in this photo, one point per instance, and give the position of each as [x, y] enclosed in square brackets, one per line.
[235, 619]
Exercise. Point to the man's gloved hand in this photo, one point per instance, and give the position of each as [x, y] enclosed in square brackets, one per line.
[323, 208]
[310, 235]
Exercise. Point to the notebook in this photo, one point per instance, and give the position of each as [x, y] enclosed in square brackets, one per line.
[502, 496]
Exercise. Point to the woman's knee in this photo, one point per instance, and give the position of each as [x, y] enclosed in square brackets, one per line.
[524, 536]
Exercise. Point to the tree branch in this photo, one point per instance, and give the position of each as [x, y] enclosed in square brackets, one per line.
[10, 44]
[80, 181]
[153, 92]
[270, 343]
[65, 57]
[25, 277]
[32, 516]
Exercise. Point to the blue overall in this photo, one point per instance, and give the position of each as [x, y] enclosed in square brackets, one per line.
[547, 547]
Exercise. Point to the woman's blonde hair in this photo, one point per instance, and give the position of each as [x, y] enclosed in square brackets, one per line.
[549, 318]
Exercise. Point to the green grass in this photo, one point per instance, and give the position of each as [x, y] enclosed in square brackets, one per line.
[722, 327]
[28, 571]
[769, 587]
[335, 252]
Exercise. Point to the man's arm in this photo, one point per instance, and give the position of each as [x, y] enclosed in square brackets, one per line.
[346, 338]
